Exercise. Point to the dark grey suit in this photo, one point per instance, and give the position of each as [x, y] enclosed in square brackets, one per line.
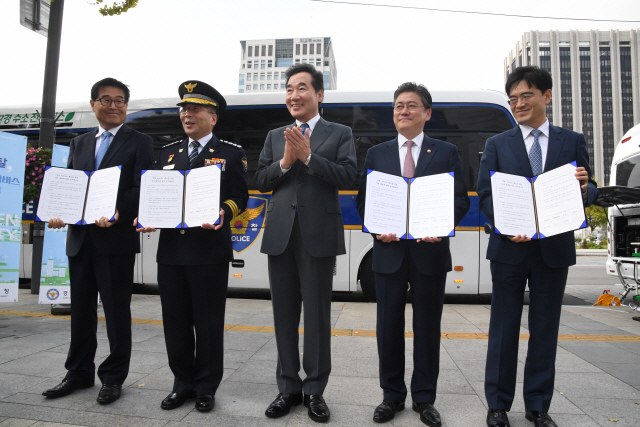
[304, 233]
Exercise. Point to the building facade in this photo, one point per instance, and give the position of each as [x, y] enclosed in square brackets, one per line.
[264, 62]
[595, 74]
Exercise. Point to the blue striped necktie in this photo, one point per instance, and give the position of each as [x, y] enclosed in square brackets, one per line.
[303, 128]
[103, 148]
[535, 154]
[194, 152]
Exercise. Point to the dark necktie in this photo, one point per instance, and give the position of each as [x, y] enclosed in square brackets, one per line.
[535, 154]
[303, 128]
[194, 152]
[409, 165]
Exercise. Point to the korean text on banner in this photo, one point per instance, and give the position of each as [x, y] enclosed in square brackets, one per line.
[54, 276]
[13, 150]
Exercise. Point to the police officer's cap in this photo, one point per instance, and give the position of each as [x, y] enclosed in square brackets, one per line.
[196, 92]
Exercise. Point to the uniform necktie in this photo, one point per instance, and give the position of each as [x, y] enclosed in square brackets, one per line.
[194, 152]
[303, 128]
[535, 154]
[102, 149]
[409, 165]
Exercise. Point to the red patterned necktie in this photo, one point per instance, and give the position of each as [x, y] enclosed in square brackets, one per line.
[409, 164]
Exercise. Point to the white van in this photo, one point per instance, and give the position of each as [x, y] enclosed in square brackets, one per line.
[622, 198]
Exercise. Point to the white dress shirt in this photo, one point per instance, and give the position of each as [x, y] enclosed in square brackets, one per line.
[415, 149]
[100, 136]
[543, 139]
[203, 141]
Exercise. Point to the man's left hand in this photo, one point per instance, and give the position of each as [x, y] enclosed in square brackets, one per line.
[104, 221]
[300, 144]
[208, 226]
[430, 239]
[582, 176]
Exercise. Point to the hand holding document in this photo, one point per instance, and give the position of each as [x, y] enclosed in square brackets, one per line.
[179, 199]
[78, 197]
[542, 206]
[410, 208]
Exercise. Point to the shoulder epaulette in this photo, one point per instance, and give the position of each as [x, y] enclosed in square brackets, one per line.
[173, 143]
[231, 143]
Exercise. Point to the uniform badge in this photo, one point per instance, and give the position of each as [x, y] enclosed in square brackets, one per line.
[181, 150]
[244, 163]
[214, 161]
[428, 151]
[211, 150]
[170, 158]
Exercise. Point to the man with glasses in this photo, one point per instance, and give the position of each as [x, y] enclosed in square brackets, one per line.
[102, 255]
[530, 148]
[423, 263]
[193, 263]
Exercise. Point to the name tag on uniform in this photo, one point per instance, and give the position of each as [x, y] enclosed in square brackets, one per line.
[169, 167]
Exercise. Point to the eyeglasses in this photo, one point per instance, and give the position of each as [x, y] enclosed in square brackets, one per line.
[194, 109]
[106, 102]
[412, 106]
[525, 98]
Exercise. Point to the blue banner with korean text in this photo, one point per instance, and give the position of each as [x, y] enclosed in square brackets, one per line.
[13, 150]
[54, 276]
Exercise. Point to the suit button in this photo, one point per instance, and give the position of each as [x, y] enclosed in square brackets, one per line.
[181, 231]
[293, 206]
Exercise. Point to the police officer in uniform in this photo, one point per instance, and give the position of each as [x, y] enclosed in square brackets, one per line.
[193, 263]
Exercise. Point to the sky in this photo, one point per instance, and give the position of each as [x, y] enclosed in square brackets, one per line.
[161, 43]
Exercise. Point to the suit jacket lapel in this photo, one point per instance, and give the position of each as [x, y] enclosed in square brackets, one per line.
[427, 151]
[117, 143]
[392, 157]
[553, 147]
[519, 150]
[319, 135]
[88, 162]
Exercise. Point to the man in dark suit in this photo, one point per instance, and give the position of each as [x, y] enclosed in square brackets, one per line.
[193, 263]
[533, 146]
[423, 263]
[102, 255]
[304, 164]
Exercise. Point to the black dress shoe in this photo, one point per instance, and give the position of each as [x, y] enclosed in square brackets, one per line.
[65, 388]
[282, 404]
[318, 409]
[540, 419]
[428, 414]
[387, 410]
[205, 402]
[174, 400]
[497, 418]
[109, 393]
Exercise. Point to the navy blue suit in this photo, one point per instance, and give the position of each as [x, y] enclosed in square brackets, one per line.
[423, 265]
[543, 264]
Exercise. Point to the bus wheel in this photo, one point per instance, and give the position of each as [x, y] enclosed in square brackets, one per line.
[367, 278]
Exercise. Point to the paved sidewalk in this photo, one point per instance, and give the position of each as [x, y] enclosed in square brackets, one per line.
[597, 380]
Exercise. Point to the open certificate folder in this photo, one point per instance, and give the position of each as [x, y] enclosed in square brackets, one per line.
[542, 206]
[179, 199]
[78, 197]
[410, 208]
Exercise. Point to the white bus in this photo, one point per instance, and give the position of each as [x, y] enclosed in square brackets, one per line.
[622, 198]
[465, 119]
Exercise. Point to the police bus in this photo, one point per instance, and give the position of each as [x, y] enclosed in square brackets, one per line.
[463, 118]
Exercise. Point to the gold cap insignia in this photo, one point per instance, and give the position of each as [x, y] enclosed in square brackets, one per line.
[190, 86]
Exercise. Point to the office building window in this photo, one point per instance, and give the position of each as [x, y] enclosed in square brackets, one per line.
[250, 50]
[304, 49]
[248, 76]
[262, 86]
[269, 87]
[262, 64]
[255, 76]
[284, 52]
[311, 46]
[270, 63]
[587, 101]
[319, 48]
[565, 87]
[269, 76]
[261, 76]
[297, 60]
[304, 60]
[255, 87]
[248, 87]
[318, 62]
[545, 62]
[283, 76]
[283, 86]
[242, 66]
[264, 50]
[608, 143]
[270, 50]
[626, 86]
[248, 64]
[297, 49]
[326, 63]
[276, 76]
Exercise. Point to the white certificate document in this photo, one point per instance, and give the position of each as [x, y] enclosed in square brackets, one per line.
[386, 204]
[161, 194]
[431, 206]
[62, 195]
[513, 210]
[102, 194]
[559, 202]
[202, 196]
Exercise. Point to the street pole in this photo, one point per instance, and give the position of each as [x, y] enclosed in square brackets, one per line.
[47, 123]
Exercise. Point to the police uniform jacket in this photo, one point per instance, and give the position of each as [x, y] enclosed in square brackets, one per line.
[198, 246]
